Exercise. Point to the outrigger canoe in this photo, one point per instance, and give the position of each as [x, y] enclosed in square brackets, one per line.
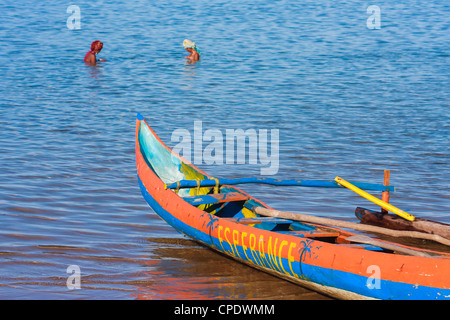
[322, 258]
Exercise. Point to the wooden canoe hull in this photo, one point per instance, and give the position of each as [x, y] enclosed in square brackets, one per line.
[337, 270]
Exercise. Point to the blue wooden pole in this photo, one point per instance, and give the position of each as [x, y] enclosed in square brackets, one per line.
[276, 182]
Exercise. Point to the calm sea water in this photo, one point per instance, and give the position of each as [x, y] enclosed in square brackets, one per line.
[347, 100]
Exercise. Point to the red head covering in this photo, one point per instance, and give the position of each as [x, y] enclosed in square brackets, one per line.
[96, 45]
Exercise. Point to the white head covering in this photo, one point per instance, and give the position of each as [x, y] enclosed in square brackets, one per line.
[190, 44]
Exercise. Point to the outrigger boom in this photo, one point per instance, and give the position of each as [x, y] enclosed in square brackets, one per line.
[276, 182]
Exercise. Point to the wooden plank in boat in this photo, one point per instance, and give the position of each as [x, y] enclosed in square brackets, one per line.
[362, 246]
[259, 220]
[215, 198]
[318, 233]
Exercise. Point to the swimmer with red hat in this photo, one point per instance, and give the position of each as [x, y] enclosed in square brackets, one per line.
[90, 57]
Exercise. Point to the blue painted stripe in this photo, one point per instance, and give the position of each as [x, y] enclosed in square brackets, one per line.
[324, 276]
[278, 182]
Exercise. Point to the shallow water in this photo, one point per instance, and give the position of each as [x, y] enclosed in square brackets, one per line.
[348, 101]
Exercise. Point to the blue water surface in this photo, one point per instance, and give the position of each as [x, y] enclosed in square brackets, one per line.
[348, 101]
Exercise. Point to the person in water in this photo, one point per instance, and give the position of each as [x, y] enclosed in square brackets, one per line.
[91, 57]
[192, 48]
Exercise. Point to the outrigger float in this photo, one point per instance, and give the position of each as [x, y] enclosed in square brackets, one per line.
[314, 252]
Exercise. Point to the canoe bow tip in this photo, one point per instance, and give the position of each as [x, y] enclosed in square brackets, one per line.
[139, 116]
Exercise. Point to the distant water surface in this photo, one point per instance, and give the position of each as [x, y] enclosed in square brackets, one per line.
[348, 101]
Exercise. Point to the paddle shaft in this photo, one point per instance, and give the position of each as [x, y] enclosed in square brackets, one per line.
[344, 224]
[379, 202]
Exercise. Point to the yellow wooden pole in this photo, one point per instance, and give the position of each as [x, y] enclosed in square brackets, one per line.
[377, 201]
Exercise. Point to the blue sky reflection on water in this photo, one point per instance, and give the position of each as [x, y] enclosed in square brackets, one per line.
[347, 101]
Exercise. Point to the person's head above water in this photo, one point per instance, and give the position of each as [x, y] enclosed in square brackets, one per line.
[96, 46]
[192, 48]
[90, 57]
[188, 44]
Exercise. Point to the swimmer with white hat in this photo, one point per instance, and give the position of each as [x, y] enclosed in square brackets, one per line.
[192, 48]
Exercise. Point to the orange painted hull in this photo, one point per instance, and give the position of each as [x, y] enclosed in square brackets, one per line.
[336, 269]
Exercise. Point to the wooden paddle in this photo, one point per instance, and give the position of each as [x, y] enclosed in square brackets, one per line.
[379, 202]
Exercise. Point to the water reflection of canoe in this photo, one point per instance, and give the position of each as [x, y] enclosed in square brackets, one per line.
[322, 258]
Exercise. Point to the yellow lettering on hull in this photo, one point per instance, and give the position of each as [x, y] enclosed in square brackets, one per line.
[266, 254]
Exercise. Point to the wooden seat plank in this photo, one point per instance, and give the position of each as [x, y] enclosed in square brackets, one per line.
[215, 198]
[318, 233]
[259, 220]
